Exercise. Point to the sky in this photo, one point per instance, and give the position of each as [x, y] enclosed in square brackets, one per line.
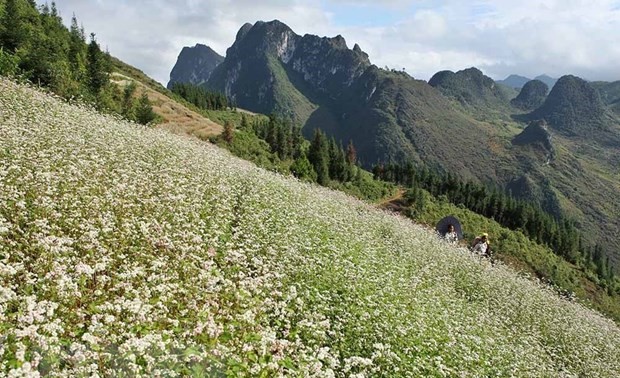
[501, 37]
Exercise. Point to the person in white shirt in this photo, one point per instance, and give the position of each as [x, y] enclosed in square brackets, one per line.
[481, 245]
[451, 236]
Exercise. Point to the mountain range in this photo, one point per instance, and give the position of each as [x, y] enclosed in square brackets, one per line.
[518, 81]
[460, 122]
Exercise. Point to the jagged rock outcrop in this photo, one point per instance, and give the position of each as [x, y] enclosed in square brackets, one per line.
[531, 96]
[194, 65]
[286, 64]
[536, 135]
[320, 82]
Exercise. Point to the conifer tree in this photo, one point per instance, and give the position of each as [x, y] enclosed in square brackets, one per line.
[127, 106]
[77, 50]
[12, 28]
[319, 156]
[144, 110]
[97, 74]
[297, 141]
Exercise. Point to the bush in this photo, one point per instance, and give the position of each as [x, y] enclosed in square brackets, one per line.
[9, 63]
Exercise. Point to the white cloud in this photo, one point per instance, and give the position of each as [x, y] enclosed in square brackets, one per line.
[527, 37]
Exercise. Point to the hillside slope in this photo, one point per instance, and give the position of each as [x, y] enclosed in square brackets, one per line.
[465, 125]
[132, 251]
[176, 117]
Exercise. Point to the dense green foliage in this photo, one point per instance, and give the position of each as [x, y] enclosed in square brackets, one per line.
[277, 144]
[556, 232]
[200, 97]
[36, 46]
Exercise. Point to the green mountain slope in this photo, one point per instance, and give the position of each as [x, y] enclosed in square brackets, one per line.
[610, 94]
[573, 107]
[472, 89]
[392, 117]
[147, 253]
[465, 125]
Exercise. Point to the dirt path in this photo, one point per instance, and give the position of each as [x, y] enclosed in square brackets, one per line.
[395, 203]
[177, 118]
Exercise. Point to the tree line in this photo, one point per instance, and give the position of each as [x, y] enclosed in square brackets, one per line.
[557, 232]
[201, 97]
[324, 160]
[36, 46]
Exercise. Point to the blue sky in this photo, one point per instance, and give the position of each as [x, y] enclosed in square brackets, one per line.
[526, 37]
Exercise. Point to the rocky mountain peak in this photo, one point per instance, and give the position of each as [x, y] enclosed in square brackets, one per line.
[531, 96]
[470, 87]
[194, 65]
[243, 31]
[573, 107]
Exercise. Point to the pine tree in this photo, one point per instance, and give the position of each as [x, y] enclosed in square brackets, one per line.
[144, 110]
[297, 140]
[319, 156]
[127, 106]
[77, 50]
[12, 27]
[97, 74]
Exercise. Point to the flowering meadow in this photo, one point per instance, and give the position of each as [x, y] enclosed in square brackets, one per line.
[127, 251]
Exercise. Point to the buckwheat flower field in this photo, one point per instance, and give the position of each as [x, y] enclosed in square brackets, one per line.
[127, 251]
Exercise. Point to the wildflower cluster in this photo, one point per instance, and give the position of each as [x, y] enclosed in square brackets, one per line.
[130, 251]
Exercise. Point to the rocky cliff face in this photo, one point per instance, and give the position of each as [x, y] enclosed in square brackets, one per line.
[271, 53]
[536, 135]
[194, 65]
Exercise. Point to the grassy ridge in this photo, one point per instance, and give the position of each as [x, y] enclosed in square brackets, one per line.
[127, 250]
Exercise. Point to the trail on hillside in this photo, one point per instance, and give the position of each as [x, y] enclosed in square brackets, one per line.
[396, 202]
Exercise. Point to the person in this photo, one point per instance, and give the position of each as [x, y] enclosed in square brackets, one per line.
[451, 236]
[480, 245]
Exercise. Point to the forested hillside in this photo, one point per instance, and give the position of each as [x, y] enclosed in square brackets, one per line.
[36, 46]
